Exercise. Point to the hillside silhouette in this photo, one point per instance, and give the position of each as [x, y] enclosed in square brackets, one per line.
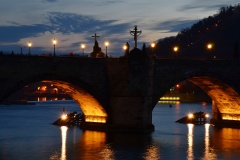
[221, 29]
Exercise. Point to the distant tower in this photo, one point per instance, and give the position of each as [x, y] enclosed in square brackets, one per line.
[135, 33]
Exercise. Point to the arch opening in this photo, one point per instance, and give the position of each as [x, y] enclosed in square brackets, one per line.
[225, 104]
[90, 106]
[225, 100]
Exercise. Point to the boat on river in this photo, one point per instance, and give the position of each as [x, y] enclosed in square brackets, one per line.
[194, 118]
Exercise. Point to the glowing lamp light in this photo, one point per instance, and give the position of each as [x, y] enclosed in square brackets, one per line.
[125, 47]
[29, 44]
[83, 47]
[106, 44]
[175, 49]
[153, 44]
[54, 44]
[206, 115]
[54, 41]
[209, 46]
[64, 117]
[190, 115]
[29, 47]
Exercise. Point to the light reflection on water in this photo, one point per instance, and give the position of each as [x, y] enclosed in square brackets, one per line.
[152, 153]
[64, 137]
[190, 142]
[37, 139]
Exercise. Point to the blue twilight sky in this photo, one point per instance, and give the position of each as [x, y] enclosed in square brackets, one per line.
[73, 22]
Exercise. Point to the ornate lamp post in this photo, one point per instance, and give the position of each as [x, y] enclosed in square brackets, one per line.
[29, 48]
[54, 45]
[83, 46]
[106, 44]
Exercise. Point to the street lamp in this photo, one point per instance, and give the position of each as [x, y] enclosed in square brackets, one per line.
[83, 46]
[125, 47]
[54, 44]
[175, 49]
[153, 45]
[106, 44]
[210, 47]
[29, 48]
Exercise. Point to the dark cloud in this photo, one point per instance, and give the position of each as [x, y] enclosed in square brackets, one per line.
[73, 23]
[110, 2]
[174, 25]
[64, 23]
[203, 5]
[51, 0]
[15, 33]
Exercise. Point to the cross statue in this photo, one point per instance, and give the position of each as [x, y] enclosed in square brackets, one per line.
[135, 33]
[95, 36]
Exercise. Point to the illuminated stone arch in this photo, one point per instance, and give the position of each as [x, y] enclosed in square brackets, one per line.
[225, 100]
[90, 106]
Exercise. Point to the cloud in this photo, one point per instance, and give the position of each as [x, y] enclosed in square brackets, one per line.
[110, 2]
[51, 1]
[70, 29]
[15, 33]
[206, 5]
[174, 25]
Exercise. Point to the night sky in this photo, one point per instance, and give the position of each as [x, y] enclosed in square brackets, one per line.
[73, 22]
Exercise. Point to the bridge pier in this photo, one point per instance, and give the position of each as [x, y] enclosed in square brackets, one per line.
[131, 114]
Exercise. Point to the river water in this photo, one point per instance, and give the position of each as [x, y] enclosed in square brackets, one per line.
[26, 134]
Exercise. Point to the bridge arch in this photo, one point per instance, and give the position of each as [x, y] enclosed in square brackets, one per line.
[225, 99]
[90, 104]
[92, 109]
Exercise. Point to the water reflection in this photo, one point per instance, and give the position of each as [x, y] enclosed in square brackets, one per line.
[227, 140]
[190, 142]
[208, 152]
[61, 154]
[152, 153]
[107, 153]
[64, 138]
[92, 144]
[206, 140]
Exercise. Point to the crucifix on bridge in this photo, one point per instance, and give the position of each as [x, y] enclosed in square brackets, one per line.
[95, 36]
[135, 33]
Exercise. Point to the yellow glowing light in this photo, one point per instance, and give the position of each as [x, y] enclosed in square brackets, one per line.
[175, 49]
[83, 46]
[190, 115]
[29, 44]
[106, 43]
[54, 41]
[96, 119]
[209, 46]
[170, 98]
[64, 116]
[206, 115]
[124, 47]
[153, 44]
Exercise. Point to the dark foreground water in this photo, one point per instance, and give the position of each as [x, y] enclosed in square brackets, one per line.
[26, 134]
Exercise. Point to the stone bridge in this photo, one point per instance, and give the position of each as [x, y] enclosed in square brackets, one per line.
[121, 93]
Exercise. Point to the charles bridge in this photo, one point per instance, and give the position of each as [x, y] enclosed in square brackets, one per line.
[121, 93]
